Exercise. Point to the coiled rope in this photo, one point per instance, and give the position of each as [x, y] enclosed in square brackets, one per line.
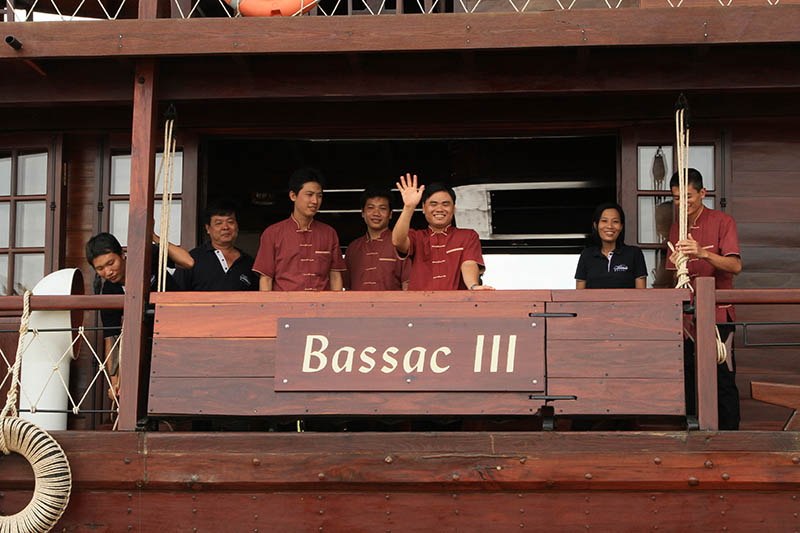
[682, 143]
[51, 471]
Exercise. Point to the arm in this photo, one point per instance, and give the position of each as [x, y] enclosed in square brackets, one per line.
[265, 283]
[179, 256]
[726, 263]
[335, 277]
[411, 196]
[470, 273]
[580, 284]
[641, 283]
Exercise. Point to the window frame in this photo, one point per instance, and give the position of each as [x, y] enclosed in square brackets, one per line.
[52, 250]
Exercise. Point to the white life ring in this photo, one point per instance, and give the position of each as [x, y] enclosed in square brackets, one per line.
[51, 472]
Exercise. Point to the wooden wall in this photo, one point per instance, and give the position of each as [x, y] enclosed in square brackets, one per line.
[764, 197]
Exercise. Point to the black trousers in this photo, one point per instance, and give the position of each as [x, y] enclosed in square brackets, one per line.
[727, 393]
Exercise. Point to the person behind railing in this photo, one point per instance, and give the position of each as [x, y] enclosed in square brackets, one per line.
[372, 264]
[713, 249]
[299, 253]
[609, 263]
[218, 264]
[443, 257]
[105, 254]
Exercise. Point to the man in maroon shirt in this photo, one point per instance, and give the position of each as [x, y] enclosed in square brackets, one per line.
[443, 257]
[299, 253]
[372, 264]
[712, 246]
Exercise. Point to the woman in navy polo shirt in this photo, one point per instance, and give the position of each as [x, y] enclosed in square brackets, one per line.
[609, 263]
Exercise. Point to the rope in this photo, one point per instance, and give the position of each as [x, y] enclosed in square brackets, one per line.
[684, 281]
[51, 471]
[166, 202]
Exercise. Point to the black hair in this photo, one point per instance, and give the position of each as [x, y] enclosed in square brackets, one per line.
[376, 191]
[598, 212]
[101, 244]
[437, 186]
[219, 208]
[694, 178]
[302, 176]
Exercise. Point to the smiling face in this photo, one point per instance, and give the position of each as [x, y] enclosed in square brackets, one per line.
[308, 201]
[609, 226]
[223, 229]
[376, 213]
[439, 210]
[110, 267]
[694, 200]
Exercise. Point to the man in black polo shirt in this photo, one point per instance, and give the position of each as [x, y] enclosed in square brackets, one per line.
[218, 264]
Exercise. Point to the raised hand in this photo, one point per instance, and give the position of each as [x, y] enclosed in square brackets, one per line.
[409, 190]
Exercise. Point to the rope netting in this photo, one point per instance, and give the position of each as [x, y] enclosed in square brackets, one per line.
[32, 339]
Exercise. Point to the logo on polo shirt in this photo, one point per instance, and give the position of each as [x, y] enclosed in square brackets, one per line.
[620, 268]
[244, 279]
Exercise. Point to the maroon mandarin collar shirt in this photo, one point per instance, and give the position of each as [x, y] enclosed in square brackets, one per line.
[373, 265]
[298, 259]
[715, 231]
[436, 258]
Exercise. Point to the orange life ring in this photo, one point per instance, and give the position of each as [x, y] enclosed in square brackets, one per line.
[272, 8]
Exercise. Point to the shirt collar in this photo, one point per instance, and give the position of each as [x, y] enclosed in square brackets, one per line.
[381, 237]
[443, 232]
[598, 251]
[298, 224]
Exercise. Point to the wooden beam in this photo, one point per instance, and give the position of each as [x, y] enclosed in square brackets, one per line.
[140, 230]
[51, 303]
[783, 394]
[758, 296]
[706, 354]
[486, 31]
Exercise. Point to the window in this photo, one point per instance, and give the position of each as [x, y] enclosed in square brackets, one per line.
[120, 190]
[24, 218]
[656, 212]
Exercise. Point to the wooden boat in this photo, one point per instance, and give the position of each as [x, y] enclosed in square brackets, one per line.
[579, 99]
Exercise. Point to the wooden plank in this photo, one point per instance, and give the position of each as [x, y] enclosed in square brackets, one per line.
[615, 321]
[761, 209]
[50, 303]
[769, 234]
[772, 258]
[706, 354]
[420, 298]
[781, 394]
[260, 319]
[614, 359]
[656, 296]
[621, 396]
[256, 397]
[140, 230]
[216, 357]
[407, 355]
[174, 37]
[760, 296]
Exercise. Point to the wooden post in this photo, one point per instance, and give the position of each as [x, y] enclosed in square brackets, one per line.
[140, 230]
[706, 350]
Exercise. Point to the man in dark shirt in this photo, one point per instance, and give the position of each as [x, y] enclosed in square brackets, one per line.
[105, 254]
[218, 264]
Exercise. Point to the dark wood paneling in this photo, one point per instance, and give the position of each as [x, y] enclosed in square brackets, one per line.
[779, 183]
[657, 296]
[619, 396]
[614, 359]
[256, 397]
[615, 321]
[762, 209]
[771, 259]
[775, 234]
[165, 37]
[217, 357]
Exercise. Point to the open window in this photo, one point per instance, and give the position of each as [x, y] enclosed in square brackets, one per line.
[530, 199]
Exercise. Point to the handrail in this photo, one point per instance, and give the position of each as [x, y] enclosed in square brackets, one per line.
[55, 303]
[758, 296]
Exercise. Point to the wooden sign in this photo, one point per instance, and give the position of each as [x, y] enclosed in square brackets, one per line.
[422, 354]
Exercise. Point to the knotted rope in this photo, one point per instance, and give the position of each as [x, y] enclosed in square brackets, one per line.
[682, 143]
[51, 471]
